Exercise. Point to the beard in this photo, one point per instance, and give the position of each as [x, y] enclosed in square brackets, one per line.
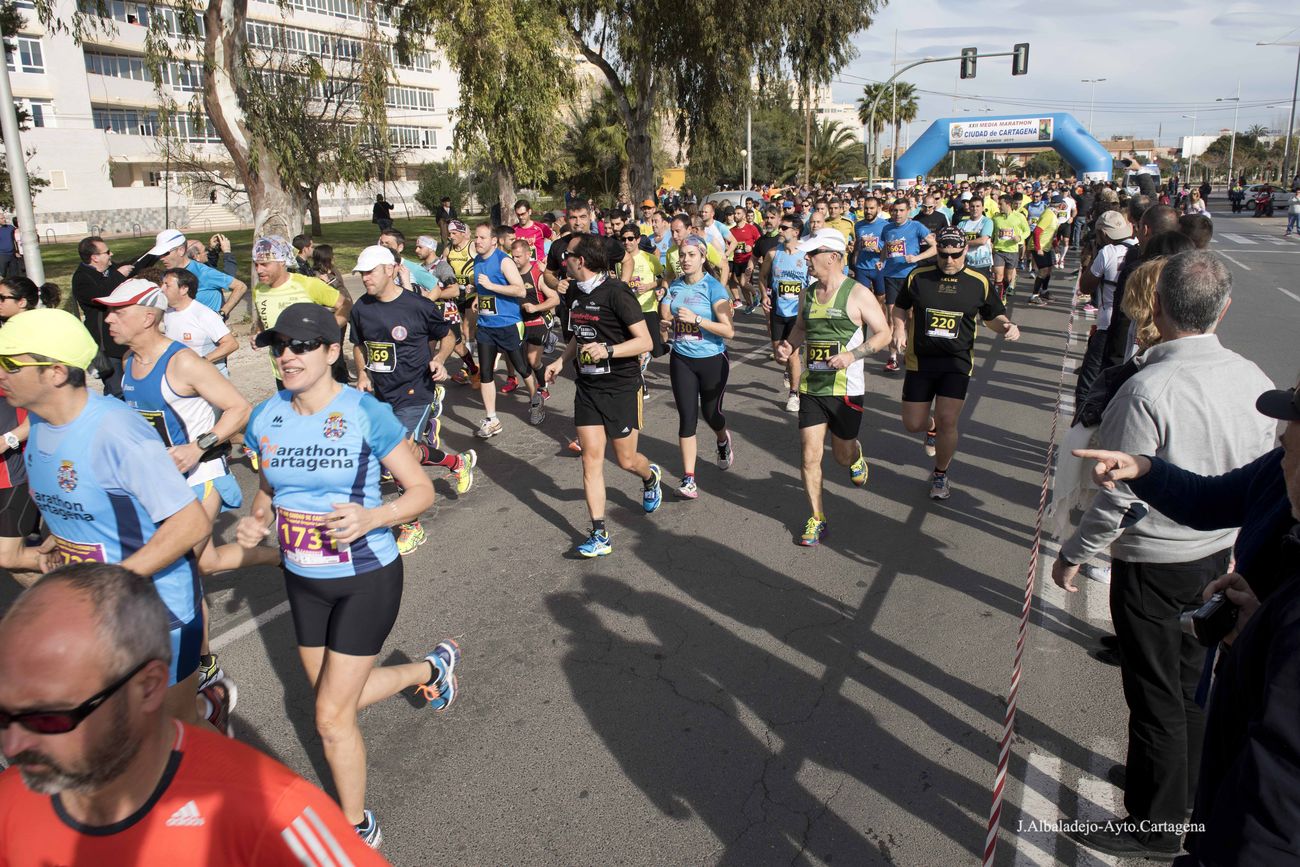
[105, 760]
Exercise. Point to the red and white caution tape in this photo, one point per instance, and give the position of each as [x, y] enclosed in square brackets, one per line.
[1009, 723]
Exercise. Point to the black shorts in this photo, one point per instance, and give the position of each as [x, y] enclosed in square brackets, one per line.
[843, 415]
[1044, 260]
[535, 335]
[506, 338]
[350, 615]
[922, 386]
[893, 285]
[781, 326]
[19, 517]
[619, 412]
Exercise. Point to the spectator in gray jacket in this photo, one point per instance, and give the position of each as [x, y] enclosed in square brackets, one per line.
[1191, 403]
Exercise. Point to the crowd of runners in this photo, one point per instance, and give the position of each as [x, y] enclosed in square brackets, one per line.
[137, 474]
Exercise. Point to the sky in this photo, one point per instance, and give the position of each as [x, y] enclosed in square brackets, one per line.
[1160, 61]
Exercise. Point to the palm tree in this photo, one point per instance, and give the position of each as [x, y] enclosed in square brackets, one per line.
[875, 125]
[833, 154]
[1257, 131]
[906, 111]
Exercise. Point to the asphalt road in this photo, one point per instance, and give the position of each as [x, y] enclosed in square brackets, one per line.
[712, 693]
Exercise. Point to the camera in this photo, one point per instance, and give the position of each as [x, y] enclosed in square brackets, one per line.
[1210, 623]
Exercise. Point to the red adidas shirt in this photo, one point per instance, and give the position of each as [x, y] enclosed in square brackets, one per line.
[746, 237]
[220, 803]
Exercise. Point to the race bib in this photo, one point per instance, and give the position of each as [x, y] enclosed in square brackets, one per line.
[741, 249]
[971, 236]
[69, 551]
[942, 324]
[686, 330]
[159, 423]
[1006, 234]
[487, 304]
[787, 288]
[870, 243]
[590, 366]
[896, 249]
[304, 539]
[381, 357]
[820, 353]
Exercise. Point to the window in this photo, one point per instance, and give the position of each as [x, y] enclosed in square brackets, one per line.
[181, 75]
[412, 137]
[40, 110]
[27, 52]
[58, 179]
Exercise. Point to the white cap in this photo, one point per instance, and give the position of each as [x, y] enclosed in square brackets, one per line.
[166, 241]
[372, 257]
[140, 293]
[824, 239]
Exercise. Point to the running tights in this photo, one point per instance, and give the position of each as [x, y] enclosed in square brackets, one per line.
[487, 360]
[699, 385]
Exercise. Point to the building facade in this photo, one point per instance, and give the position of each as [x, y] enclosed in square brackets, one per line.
[95, 118]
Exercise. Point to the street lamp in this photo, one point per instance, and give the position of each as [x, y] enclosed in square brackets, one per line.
[1232, 146]
[1290, 125]
[1092, 102]
[1191, 145]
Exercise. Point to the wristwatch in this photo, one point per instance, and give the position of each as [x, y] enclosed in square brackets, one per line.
[11, 440]
[207, 441]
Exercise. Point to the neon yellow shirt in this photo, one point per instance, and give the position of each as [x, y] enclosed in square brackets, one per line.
[1047, 224]
[270, 303]
[646, 271]
[1009, 231]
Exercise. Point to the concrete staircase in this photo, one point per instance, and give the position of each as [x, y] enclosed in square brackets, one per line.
[204, 217]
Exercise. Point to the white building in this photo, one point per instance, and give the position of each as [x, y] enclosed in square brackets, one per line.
[95, 115]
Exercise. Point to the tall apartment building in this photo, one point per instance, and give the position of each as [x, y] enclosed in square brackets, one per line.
[94, 118]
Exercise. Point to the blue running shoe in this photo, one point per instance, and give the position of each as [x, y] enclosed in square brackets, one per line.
[597, 545]
[369, 831]
[441, 690]
[653, 494]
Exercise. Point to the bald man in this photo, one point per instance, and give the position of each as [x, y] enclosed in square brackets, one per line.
[100, 774]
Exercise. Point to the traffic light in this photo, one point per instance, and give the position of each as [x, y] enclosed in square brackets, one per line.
[1020, 58]
[968, 58]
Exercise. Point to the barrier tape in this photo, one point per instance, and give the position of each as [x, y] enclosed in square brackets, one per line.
[1008, 724]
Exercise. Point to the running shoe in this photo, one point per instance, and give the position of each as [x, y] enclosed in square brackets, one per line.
[792, 402]
[433, 436]
[892, 365]
[253, 460]
[652, 495]
[930, 437]
[209, 671]
[1089, 309]
[463, 475]
[939, 489]
[1047, 296]
[597, 545]
[385, 477]
[441, 689]
[1098, 572]
[435, 405]
[726, 455]
[460, 377]
[550, 342]
[785, 379]
[409, 537]
[221, 696]
[545, 393]
[813, 531]
[475, 379]
[688, 489]
[488, 427]
[512, 383]
[575, 447]
[536, 409]
[858, 470]
[369, 831]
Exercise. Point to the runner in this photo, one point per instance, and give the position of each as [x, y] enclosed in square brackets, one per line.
[699, 312]
[446, 296]
[607, 334]
[112, 779]
[170, 248]
[90, 455]
[644, 274]
[866, 248]
[681, 230]
[1041, 243]
[1010, 229]
[835, 313]
[944, 299]
[500, 290]
[746, 234]
[459, 254]
[535, 309]
[839, 220]
[415, 277]
[903, 243]
[394, 335]
[193, 324]
[978, 231]
[785, 275]
[322, 445]
[536, 234]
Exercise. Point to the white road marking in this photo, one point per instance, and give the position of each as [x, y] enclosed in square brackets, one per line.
[1237, 239]
[248, 626]
[1234, 261]
[1039, 802]
[1289, 293]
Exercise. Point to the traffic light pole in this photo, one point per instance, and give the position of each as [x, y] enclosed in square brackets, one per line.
[871, 115]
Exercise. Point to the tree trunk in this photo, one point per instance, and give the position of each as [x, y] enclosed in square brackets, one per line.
[625, 186]
[313, 207]
[639, 170]
[505, 191]
[276, 209]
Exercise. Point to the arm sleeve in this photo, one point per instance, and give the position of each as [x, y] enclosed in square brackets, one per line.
[305, 823]
[1203, 502]
[385, 430]
[1038, 236]
[1127, 426]
[137, 464]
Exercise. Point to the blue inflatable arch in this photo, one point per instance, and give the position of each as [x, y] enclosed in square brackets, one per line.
[1060, 131]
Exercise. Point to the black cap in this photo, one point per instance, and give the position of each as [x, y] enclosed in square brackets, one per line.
[1282, 404]
[950, 236]
[304, 321]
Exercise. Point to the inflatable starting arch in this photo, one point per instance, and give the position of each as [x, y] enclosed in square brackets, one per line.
[1060, 131]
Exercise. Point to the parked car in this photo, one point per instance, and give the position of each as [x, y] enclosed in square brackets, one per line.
[1280, 196]
[733, 197]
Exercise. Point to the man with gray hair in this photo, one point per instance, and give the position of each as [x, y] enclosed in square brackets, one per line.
[1191, 403]
[114, 779]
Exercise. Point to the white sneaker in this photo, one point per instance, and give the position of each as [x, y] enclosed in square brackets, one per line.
[488, 427]
[792, 402]
[1097, 572]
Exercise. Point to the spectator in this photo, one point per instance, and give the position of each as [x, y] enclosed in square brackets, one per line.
[444, 215]
[1203, 192]
[322, 263]
[114, 779]
[1198, 227]
[381, 214]
[1187, 404]
[8, 246]
[1155, 221]
[172, 251]
[302, 246]
[220, 255]
[94, 278]
[1115, 234]
[1293, 212]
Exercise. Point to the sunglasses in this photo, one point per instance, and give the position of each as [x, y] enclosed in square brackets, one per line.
[9, 365]
[8, 297]
[957, 255]
[297, 347]
[627, 238]
[60, 722]
[789, 228]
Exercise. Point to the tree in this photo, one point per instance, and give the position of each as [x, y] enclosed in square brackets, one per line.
[902, 107]
[438, 180]
[595, 144]
[831, 155]
[1257, 131]
[875, 125]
